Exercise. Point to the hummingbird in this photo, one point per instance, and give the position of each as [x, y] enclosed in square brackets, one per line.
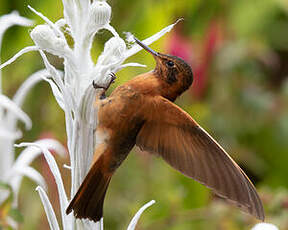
[141, 112]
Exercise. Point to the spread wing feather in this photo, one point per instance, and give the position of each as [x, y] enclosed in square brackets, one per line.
[180, 141]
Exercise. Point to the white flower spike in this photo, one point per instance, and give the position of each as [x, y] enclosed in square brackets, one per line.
[73, 90]
[46, 39]
[13, 170]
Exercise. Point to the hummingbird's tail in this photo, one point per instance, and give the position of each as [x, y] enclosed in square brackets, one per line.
[89, 199]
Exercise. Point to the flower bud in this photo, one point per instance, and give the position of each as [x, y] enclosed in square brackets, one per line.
[46, 39]
[100, 14]
[113, 51]
[116, 46]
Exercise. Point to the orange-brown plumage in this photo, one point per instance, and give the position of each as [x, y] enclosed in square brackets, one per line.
[141, 112]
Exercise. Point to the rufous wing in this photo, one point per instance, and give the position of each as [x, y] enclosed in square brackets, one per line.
[180, 141]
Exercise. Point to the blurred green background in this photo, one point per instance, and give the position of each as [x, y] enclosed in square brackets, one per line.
[239, 54]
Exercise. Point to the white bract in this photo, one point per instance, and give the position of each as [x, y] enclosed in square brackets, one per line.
[12, 170]
[73, 90]
[10, 113]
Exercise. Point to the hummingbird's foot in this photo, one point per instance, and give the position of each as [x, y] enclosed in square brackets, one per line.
[113, 77]
[96, 86]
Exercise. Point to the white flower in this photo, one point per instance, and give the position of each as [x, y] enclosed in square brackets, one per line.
[46, 39]
[264, 226]
[10, 113]
[9, 132]
[13, 169]
[73, 89]
[100, 14]
[115, 48]
[12, 19]
[40, 147]
[67, 221]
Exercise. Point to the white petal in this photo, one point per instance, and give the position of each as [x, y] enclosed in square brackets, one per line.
[56, 92]
[53, 223]
[128, 65]
[15, 19]
[58, 179]
[30, 153]
[12, 107]
[21, 94]
[11, 19]
[27, 85]
[70, 105]
[135, 219]
[136, 48]
[67, 96]
[30, 173]
[19, 54]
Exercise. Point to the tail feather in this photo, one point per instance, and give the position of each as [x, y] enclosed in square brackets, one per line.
[89, 199]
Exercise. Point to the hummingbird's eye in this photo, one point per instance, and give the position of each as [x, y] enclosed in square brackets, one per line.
[170, 63]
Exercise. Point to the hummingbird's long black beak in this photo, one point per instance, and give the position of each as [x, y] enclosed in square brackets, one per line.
[154, 53]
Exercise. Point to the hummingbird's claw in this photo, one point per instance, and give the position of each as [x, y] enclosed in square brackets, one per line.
[113, 78]
[96, 86]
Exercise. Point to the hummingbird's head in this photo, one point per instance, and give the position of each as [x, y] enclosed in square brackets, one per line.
[174, 71]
